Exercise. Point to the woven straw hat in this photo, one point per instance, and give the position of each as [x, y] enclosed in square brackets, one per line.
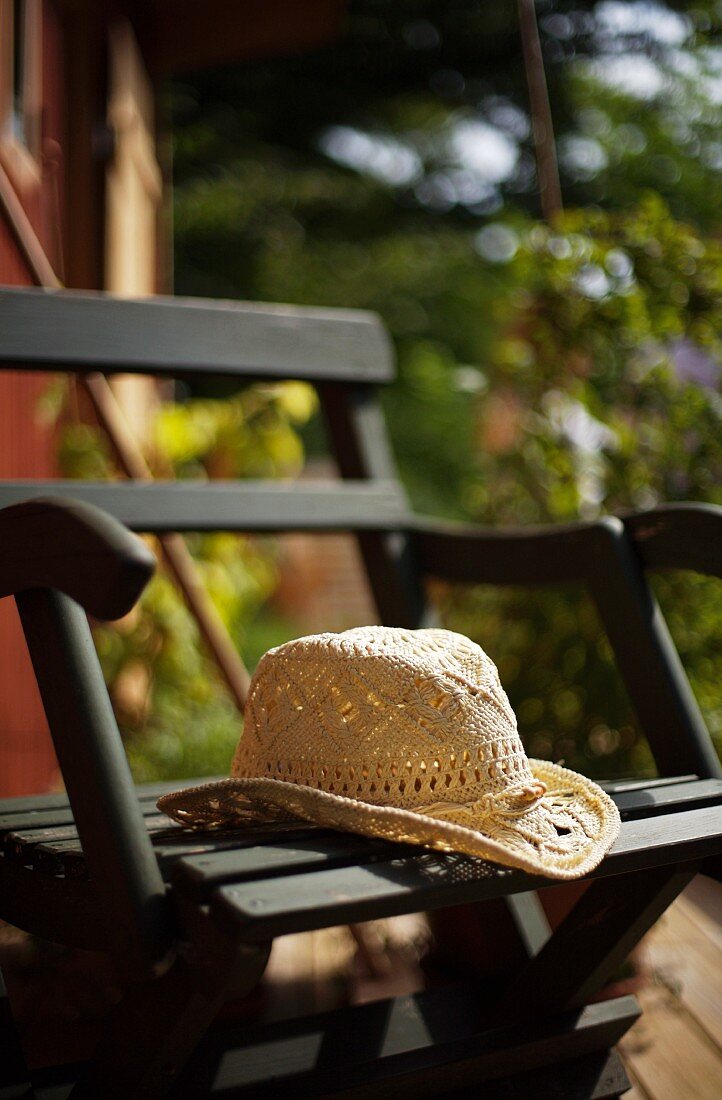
[406, 735]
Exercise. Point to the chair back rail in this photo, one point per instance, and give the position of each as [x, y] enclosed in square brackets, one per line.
[246, 506]
[81, 332]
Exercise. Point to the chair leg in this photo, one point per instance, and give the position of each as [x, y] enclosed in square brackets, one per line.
[155, 1029]
[592, 941]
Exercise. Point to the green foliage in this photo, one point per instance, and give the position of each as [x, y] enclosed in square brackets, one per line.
[176, 715]
[545, 373]
[599, 417]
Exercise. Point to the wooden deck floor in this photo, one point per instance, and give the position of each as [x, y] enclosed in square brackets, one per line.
[675, 1051]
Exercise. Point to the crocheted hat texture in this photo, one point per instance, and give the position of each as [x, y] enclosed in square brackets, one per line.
[406, 735]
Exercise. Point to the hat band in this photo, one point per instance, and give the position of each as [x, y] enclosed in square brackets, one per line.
[513, 801]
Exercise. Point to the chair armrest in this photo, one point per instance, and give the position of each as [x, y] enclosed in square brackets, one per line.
[76, 549]
[672, 536]
[679, 536]
[553, 554]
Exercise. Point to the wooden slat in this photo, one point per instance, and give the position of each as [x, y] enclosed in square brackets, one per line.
[402, 1048]
[323, 898]
[170, 844]
[186, 336]
[677, 797]
[557, 554]
[36, 819]
[18, 844]
[147, 792]
[158, 507]
[593, 1077]
[48, 839]
[199, 876]
[202, 873]
[30, 803]
[673, 536]
[60, 815]
[679, 536]
[614, 786]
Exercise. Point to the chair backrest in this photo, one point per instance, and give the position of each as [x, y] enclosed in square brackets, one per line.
[344, 353]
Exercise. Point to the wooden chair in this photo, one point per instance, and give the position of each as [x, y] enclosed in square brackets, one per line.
[194, 916]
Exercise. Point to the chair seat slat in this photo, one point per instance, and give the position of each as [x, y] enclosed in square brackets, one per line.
[318, 899]
[147, 792]
[198, 862]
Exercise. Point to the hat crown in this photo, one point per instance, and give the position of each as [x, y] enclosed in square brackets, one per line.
[385, 715]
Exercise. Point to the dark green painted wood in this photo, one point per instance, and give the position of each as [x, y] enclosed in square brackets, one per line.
[198, 862]
[411, 1046]
[90, 752]
[19, 844]
[122, 906]
[146, 792]
[592, 942]
[198, 875]
[190, 336]
[33, 803]
[36, 819]
[679, 536]
[361, 447]
[619, 786]
[680, 796]
[596, 1076]
[526, 555]
[158, 507]
[647, 658]
[672, 536]
[75, 548]
[593, 1077]
[432, 880]
[601, 555]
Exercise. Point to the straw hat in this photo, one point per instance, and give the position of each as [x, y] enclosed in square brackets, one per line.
[406, 735]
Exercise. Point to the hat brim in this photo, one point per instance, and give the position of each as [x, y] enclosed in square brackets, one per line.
[564, 836]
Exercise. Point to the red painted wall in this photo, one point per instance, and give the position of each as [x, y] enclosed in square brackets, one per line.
[27, 760]
[27, 444]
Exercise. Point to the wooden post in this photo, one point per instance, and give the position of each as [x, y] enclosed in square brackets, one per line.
[550, 192]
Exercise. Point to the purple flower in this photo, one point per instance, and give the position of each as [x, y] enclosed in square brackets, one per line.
[693, 364]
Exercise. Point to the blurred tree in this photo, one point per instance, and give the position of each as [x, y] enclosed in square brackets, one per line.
[176, 716]
[545, 373]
